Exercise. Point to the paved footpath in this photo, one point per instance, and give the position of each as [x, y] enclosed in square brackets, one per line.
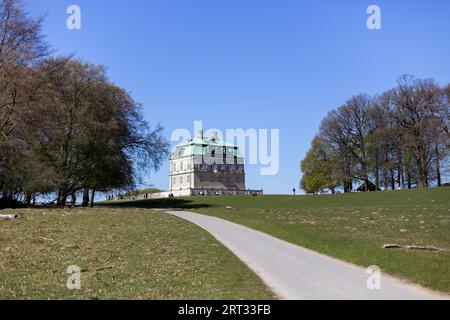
[296, 273]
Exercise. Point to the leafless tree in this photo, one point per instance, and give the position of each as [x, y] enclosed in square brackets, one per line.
[397, 139]
[418, 103]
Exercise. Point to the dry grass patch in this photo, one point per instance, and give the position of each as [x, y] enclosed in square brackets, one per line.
[124, 253]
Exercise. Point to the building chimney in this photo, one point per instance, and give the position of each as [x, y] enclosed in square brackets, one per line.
[200, 134]
[215, 136]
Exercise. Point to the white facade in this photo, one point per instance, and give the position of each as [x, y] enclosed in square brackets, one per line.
[206, 163]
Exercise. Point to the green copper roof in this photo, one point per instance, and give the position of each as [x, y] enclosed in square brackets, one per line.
[204, 147]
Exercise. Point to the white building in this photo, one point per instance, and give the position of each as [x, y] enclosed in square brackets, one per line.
[206, 166]
[203, 166]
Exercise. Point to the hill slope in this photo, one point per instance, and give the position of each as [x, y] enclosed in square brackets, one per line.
[352, 227]
[126, 254]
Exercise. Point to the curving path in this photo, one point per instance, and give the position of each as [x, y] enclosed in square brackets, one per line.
[296, 273]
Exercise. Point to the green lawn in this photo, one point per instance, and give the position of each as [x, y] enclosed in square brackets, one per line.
[352, 227]
[125, 254]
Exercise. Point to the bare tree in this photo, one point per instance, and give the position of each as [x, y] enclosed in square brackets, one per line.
[21, 48]
[417, 103]
[398, 139]
[333, 133]
[380, 138]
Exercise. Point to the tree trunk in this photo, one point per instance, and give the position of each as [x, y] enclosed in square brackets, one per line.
[62, 197]
[347, 185]
[28, 198]
[385, 169]
[438, 168]
[391, 171]
[423, 174]
[385, 176]
[73, 198]
[63, 201]
[92, 198]
[58, 201]
[400, 178]
[403, 176]
[8, 200]
[377, 172]
[408, 173]
[85, 202]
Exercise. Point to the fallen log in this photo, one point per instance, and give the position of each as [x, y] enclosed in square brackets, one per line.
[414, 247]
[46, 239]
[97, 269]
[8, 216]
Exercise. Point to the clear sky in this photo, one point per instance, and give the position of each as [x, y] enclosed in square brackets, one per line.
[260, 64]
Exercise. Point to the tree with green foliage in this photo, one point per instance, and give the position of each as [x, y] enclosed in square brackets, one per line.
[93, 133]
[399, 139]
[64, 127]
[317, 168]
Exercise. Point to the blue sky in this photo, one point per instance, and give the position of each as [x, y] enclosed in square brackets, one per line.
[253, 64]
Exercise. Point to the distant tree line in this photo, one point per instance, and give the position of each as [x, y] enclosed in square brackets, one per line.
[398, 139]
[65, 128]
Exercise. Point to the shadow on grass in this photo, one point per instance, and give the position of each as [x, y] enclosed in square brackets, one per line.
[157, 204]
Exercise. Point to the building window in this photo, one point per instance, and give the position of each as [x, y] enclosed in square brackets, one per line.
[213, 153]
[174, 181]
[188, 179]
[181, 166]
[181, 180]
[238, 180]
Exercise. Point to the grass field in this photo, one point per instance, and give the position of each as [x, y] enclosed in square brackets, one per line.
[125, 254]
[352, 227]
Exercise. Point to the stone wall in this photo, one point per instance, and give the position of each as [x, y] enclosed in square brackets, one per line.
[189, 193]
